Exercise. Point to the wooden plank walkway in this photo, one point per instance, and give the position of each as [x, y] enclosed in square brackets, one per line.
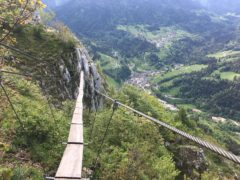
[71, 163]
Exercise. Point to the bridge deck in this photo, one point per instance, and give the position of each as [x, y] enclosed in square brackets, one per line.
[71, 163]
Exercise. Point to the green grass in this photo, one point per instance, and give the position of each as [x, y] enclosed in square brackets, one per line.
[229, 75]
[174, 91]
[224, 54]
[173, 75]
[112, 83]
[42, 133]
[108, 62]
[187, 106]
[163, 53]
[180, 71]
[165, 35]
[167, 84]
[226, 75]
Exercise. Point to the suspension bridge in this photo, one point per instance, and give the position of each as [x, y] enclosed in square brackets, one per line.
[71, 165]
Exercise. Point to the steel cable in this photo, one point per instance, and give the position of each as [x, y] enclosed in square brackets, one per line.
[11, 104]
[114, 108]
[203, 143]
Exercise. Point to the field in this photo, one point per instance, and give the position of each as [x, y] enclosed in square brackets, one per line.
[179, 71]
[226, 75]
[107, 62]
[225, 54]
[229, 75]
[163, 37]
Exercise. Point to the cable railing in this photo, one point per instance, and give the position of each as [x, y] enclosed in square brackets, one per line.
[197, 140]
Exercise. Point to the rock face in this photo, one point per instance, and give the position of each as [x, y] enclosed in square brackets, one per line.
[93, 80]
[62, 80]
[191, 161]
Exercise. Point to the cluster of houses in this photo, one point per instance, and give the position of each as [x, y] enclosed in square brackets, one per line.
[141, 80]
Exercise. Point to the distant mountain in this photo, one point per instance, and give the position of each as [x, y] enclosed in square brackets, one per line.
[132, 36]
[219, 6]
[222, 6]
[85, 16]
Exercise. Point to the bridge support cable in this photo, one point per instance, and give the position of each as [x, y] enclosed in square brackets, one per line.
[93, 125]
[114, 108]
[19, 51]
[11, 104]
[213, 148]
[44, 91]
[14, 73]
[28, 75]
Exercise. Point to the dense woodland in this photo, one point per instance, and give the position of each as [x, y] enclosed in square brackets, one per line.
[208, 90]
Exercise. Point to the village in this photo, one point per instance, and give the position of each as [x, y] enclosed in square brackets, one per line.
[142, 81]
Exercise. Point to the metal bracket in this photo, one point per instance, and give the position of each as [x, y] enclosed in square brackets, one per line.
[115, 105]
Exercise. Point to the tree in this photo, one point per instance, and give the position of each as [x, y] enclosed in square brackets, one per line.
[14, 13]
[182, 115]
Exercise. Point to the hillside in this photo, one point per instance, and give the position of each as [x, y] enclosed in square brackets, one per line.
[39, 76]
[220, 6]
[129, 38]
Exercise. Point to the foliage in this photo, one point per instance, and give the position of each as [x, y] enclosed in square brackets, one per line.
[26, 173]
[64, 33]
[14, 13]
[157, 36]
[5, 174]
[212, 88]
[51, 58]
[134, 148]
[114, 68]
[40, 134]
[218, 96]
[47, 16]
[33, 147]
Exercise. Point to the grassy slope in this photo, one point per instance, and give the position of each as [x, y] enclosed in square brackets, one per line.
[225, 57]
[37, 149]
[107, 62]
[34, 104]
[226, 75]
[165, 35]
[27, 152]
[224, 54]
[180, 71]
[163, 39]
[128, 129]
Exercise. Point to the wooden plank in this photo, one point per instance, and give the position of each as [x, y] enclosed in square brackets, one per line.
[78, 110]
[77, 119]
[76, 133]
[79, 105]
[71, 164]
